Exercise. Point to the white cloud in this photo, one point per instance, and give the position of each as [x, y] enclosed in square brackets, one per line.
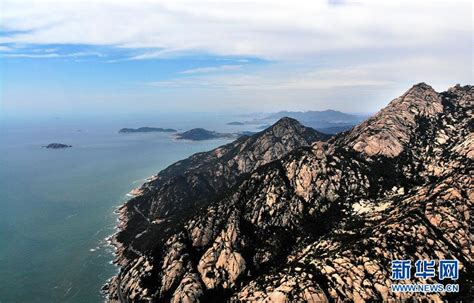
[298, 54]
[212, 69]
[279, 80]
[45, 50]
[5, 48]
[267, 29]
[50, 54]
[364, 87]
[405, 71]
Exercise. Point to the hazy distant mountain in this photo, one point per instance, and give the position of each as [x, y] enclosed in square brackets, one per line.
[329, 115]
[286, 215]
[235, 123]
[328, 121]
[263, 126]
[147, 130]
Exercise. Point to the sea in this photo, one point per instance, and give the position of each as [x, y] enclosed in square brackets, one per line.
[57, 205]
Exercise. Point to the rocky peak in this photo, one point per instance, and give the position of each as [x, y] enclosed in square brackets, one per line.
[461, 95]
[387, 133]
[288, 127]
[286, 124]
[420, 100]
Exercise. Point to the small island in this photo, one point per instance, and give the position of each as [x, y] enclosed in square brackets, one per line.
[235, 123]
[199, 134]
[147, 129]
[57, 146]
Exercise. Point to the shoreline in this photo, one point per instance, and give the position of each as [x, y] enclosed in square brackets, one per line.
[110, 286]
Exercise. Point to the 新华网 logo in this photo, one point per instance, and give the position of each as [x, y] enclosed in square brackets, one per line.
[424, 269]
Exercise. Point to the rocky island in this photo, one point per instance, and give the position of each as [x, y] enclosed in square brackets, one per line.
[199, 134]
[57, 146]
[292, 215]
[147, 130]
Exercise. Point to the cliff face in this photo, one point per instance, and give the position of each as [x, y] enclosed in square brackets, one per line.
[243, 223]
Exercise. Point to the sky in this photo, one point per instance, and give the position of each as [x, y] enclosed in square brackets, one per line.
[91, 56]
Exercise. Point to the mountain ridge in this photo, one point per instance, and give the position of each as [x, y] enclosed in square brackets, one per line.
[186, 184]
[323, 221]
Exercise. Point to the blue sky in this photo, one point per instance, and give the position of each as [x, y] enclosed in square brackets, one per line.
[71, 57]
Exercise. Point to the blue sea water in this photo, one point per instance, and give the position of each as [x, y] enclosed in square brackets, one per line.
[57, 206]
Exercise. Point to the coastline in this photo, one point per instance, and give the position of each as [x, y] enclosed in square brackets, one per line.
[110, 288]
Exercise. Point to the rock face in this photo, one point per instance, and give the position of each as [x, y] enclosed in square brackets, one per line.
[285, 216]
[389, 131]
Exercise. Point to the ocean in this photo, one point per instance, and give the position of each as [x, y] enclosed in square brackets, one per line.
[57, 206]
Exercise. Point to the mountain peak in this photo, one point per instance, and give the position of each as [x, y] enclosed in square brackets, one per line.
[288, 127]
[390, 129]
[421, 99]
[287, 122]
[461, 88]
[422, 85]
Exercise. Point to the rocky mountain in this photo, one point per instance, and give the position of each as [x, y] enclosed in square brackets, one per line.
[287, 215]
[176, 193]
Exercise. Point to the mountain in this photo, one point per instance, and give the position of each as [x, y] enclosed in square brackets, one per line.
[288, 215]
[179, 191]
[333, 116]
[147, 130]
[327, 121]
[199, 134]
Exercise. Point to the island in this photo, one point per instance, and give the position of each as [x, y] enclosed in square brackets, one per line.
[235, 123]
[199, 134]
[147, 129]
[57, 146]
